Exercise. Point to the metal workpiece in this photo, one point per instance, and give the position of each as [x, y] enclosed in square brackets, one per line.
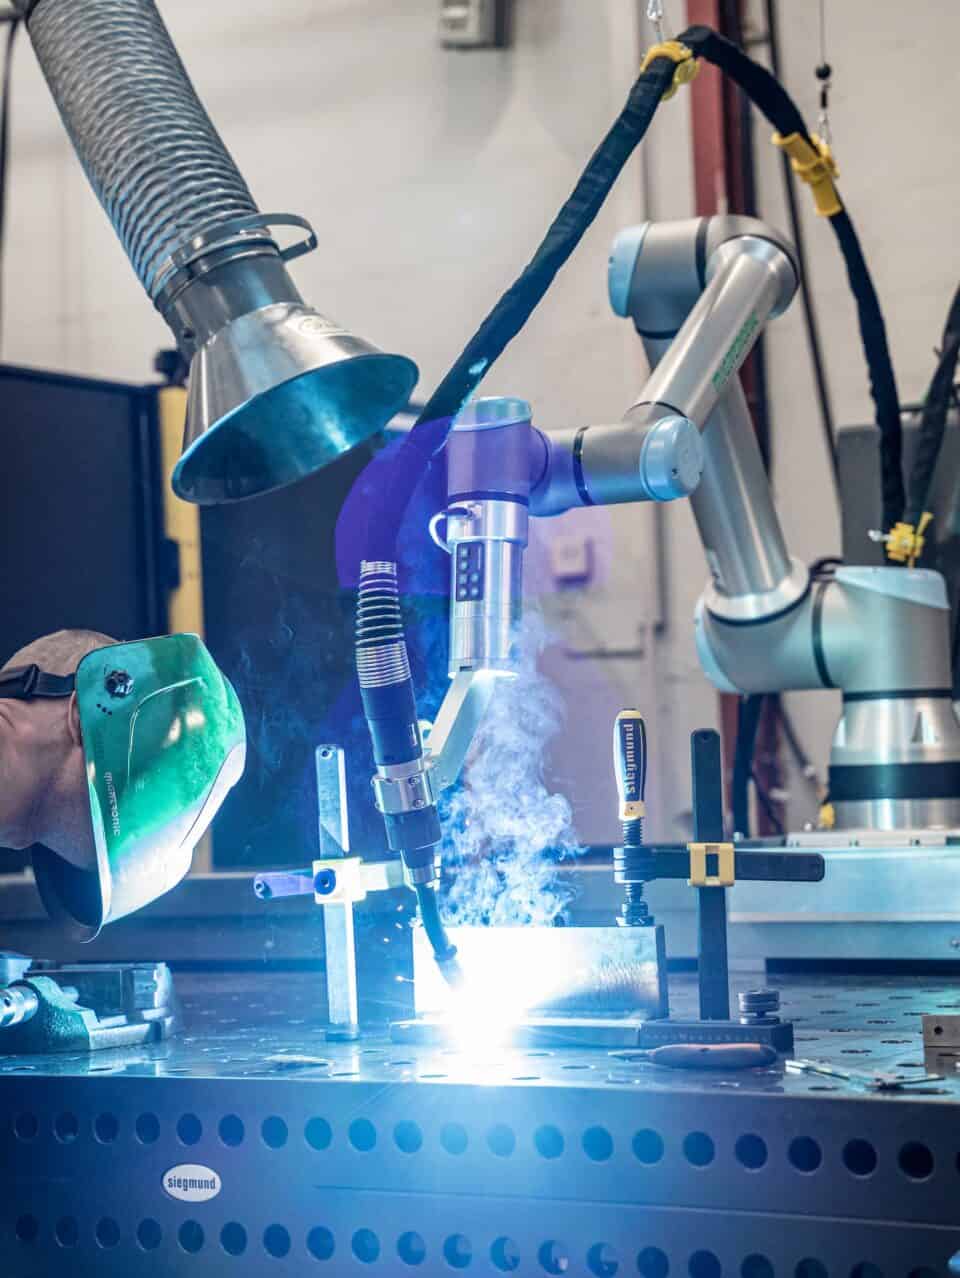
[512, 972]
[358, 1156]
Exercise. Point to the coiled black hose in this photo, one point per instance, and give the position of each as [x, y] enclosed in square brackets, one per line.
[770, 97]
[933, 421]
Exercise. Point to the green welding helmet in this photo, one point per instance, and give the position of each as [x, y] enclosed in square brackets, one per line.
[163, 742]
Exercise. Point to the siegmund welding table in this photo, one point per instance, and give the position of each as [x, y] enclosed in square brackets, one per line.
[376, 1159]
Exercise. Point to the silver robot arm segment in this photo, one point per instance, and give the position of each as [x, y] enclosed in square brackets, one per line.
[699, 293]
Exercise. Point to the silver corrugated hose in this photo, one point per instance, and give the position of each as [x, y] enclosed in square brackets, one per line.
[277, 390]
[151, 152]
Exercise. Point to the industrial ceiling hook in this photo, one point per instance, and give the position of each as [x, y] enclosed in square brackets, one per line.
[824, 72]
[655, 15]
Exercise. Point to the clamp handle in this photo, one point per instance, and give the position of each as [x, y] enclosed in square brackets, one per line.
[630, 763]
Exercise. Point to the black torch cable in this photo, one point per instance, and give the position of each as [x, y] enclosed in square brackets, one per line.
[806, 297]
[429, 433]
[933, 421]
[444, 952]
[770, 97]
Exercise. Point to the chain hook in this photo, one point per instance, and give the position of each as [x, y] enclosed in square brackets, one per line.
[655, 15]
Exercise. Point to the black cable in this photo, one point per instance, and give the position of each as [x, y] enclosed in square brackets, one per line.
[443, 950]
[806, 299]
[769, 95]
[5, 146]
[933, 421]
[883, 384]
[748, 723]
[767, 804]
[428, 436]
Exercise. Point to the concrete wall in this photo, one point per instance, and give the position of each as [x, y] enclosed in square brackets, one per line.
[430, 176]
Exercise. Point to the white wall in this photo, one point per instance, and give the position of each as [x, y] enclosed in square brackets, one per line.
[430, 175]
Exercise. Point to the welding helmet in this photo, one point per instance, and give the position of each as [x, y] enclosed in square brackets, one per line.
[163, 742]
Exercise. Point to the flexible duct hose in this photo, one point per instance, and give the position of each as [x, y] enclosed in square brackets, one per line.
[151, 152]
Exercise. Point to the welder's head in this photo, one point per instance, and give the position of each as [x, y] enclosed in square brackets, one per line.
[114, 758]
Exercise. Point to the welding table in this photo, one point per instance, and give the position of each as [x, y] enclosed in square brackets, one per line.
[390, 1161]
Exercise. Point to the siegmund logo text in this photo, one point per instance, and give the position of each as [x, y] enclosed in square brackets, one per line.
[112, 800]
[191, 1183]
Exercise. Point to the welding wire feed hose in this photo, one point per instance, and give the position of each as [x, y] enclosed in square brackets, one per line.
[933, 421]
[429, 434]
[770, 97]
[151, 152]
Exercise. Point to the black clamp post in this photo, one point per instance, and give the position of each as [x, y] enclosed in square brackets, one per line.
[712, 871]
[711, 865]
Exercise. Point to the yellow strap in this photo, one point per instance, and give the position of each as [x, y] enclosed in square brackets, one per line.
[905, 543]
[687, 69]
[814, 165]
[828, 816]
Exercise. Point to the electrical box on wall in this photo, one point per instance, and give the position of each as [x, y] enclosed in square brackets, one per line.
[474, 24]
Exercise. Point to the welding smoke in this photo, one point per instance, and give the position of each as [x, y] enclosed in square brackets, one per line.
[503, 831]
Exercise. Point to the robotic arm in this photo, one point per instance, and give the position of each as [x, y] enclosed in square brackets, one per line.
[699, 293]
[881, 635]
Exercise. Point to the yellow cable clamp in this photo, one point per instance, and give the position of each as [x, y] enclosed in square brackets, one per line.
[905, 543]
[726, 865]
[814, 165]
[687, 68]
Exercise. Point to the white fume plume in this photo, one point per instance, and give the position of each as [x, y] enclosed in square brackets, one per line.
[503, 830]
